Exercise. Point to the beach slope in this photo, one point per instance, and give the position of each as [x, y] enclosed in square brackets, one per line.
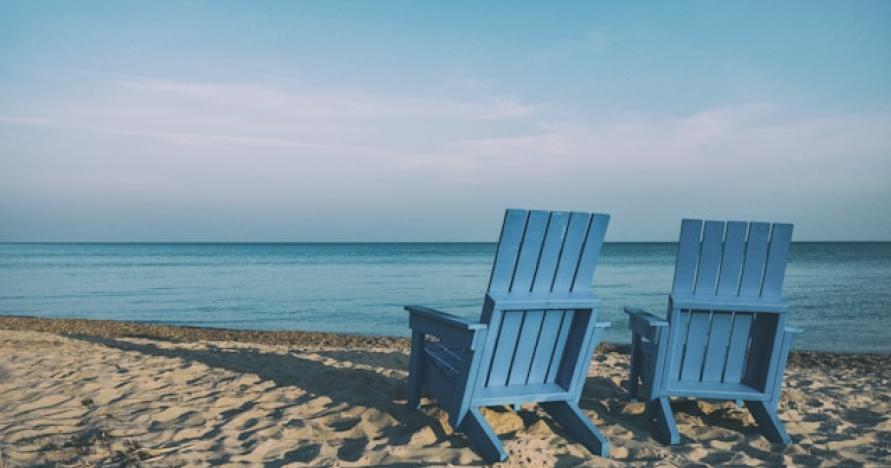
[126, 394]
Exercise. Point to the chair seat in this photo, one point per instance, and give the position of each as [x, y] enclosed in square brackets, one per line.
[447, 358]
[716, 390]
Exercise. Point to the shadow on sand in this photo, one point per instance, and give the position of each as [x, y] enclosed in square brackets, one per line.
[347, 387]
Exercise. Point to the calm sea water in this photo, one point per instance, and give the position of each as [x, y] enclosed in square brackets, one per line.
[840, 293]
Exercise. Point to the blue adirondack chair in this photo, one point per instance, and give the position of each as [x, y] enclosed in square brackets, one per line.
[725, 337]
[536, 336]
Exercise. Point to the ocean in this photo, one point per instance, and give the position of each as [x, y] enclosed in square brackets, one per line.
[840, 293]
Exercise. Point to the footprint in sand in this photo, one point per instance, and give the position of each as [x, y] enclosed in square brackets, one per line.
[352, 449]
[344, 424]
[305, 454]
[864, 417]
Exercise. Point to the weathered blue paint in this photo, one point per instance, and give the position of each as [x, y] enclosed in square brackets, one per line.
[536, 336]
[725, 336]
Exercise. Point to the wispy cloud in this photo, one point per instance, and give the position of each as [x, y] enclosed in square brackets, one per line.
[321, 102]
[308, 118]
[753, 138]
[195, 142]
[492, 135]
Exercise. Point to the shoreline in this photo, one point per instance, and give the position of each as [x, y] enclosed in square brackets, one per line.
[187, 333]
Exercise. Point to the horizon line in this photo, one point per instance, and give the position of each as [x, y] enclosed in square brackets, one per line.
[210, 242]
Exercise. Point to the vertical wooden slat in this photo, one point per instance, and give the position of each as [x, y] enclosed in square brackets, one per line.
[550, 252]
[679, 320]
[776, 261]
[688, 254]
[731, 263]
[526, 344]
[576, 233]
[590, 252]
[710, 257]
[560, 345]
[507, 251]
[716, 353]
[530, 251]
[526, 347]
[697, 335]
[504, 349]
[756, 254]
[736, 351]
[541, 359]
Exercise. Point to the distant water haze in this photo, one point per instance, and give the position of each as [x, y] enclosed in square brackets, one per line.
[838, 292]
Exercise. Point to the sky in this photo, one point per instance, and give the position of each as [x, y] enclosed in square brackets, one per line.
[422, 121]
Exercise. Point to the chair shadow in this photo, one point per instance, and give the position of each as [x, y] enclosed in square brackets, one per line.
[352, 386]
[349, 386]
[392, 360]
[344, 385]
[720, 417]
[602, 396]
[610, 401]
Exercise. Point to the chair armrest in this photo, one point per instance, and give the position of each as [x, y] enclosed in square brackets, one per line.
[447, 327]
[644, 323]
[444, 318]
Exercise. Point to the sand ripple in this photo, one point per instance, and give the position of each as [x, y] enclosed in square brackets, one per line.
[128, 401]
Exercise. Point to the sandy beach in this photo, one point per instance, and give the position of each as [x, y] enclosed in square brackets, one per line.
[79, 392]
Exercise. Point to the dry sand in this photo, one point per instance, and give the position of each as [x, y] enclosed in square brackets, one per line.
[107, 398]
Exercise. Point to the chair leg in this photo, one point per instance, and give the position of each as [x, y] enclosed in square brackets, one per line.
[577, 425]
[635, 366]
[768, 421]
[650, 410]
[666, 428]
[481, 436]
[415, 369]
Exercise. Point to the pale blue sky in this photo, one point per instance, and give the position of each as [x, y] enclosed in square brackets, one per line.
[393, 121]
